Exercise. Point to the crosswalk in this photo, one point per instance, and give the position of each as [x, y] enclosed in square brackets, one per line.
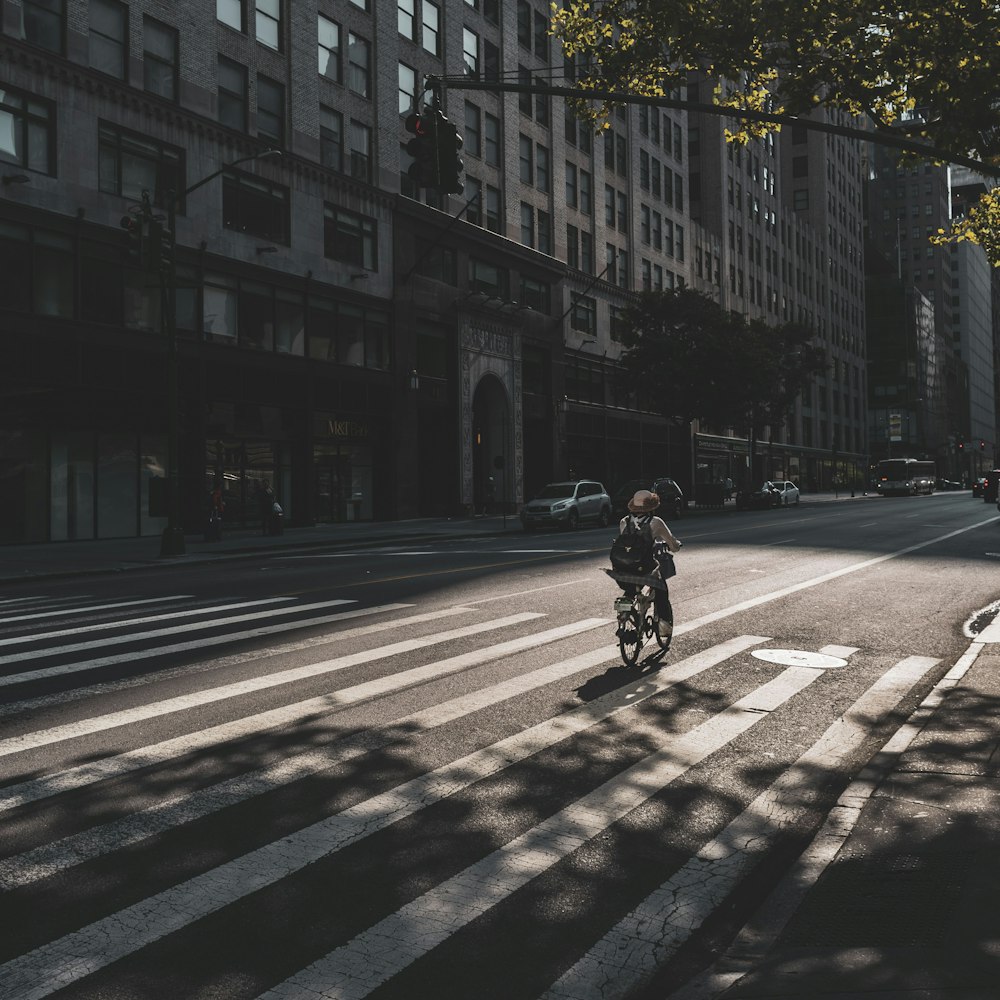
[390, 800]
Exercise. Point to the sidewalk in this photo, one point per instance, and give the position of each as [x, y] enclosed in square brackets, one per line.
[897, 896]
[65, 559]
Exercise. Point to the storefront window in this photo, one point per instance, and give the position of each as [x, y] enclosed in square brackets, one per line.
[256, 312]
[290, 327]
[322, 332]
[71, 475]
[152, 465]
[15, 266]
[219, 309]
[53, 275]
[350, 336]
[117, 485]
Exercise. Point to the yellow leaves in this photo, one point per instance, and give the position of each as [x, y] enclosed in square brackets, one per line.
[980, 226]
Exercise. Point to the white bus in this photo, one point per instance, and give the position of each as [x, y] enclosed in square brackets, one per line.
[907, 476]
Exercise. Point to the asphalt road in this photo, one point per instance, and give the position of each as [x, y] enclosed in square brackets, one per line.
[423, 771]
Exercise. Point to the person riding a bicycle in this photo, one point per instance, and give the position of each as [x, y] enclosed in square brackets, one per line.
[642, 509]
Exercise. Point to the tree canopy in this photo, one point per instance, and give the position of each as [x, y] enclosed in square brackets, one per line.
[929, 69]
[691, 359]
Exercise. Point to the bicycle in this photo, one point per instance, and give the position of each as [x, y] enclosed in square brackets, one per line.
[637, 621]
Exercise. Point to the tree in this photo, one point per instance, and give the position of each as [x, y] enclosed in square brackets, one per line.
[929, 69]
[688, 358]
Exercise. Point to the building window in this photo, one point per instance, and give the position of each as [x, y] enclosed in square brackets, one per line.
[159, 58]
[329, 49]
[470, 51]
[544, 231]
[27, 131]
[230, 12]
[331, 138]
[572, 185]
[129, 164]
[492, 140]
[524, 24]
[269, 23]
[800, 199]
[492, 209]
[572, 246]
[488, 278]
[270, 109]
[527, 225]
[358, 64]
[543, 173]
[586, 193]
[232, 94]
[108, 35]
[407, 89]
[473, 129]
[255, 206]
[42, 23]
[431, 38]
[586, 252]
[360, 137]
[583, 313]
[526, 159]
[474, 209]
[350, 237]
[406, 19]
[491, 61]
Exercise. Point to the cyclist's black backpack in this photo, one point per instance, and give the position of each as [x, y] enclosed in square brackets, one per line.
[632, 550]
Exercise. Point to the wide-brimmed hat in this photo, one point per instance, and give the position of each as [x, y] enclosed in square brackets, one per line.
[643, 502]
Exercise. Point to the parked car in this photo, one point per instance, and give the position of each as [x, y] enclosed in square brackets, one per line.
[948, 484]
[673, 503]
[979, 486]
[567, 505]
[771, 494]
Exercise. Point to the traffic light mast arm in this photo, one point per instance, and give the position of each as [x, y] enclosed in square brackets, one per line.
[881, 137]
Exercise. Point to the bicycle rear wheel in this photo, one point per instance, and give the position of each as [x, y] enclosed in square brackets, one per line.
[630, 629]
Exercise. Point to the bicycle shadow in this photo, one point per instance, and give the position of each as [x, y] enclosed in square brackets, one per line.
[619, 675]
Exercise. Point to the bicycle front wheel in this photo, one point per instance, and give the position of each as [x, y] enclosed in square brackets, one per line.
[663, 641]
[630, 629]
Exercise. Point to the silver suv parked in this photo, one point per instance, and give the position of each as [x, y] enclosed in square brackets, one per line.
[567, 505]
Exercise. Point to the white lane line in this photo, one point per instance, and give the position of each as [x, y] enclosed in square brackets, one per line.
[780, 541]
[80, 953]
[349, 972]
[158, 633]
[628, 956]
[133, 656]
[23, 869]
[7, 601]
[19, 640]
[868, 524]
[763, 929]
[815, 581]
[197, 699]
[576, 581]
[93, 607]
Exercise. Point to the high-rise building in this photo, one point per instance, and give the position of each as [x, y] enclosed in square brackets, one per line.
[788, 213]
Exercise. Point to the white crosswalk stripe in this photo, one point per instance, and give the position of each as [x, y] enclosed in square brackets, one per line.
[24, 640]
[532, 700]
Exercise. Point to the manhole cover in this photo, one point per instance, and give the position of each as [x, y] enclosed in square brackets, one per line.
[800, 658]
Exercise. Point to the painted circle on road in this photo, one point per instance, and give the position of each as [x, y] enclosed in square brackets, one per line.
[800, 658]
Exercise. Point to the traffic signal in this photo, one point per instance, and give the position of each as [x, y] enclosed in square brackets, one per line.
[134, 243]
[450, 165]
[961, 446]
[982, 445]
[423, 171]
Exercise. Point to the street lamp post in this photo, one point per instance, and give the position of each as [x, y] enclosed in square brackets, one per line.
[172, 540]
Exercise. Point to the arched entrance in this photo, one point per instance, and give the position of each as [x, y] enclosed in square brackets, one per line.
[492, 481]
